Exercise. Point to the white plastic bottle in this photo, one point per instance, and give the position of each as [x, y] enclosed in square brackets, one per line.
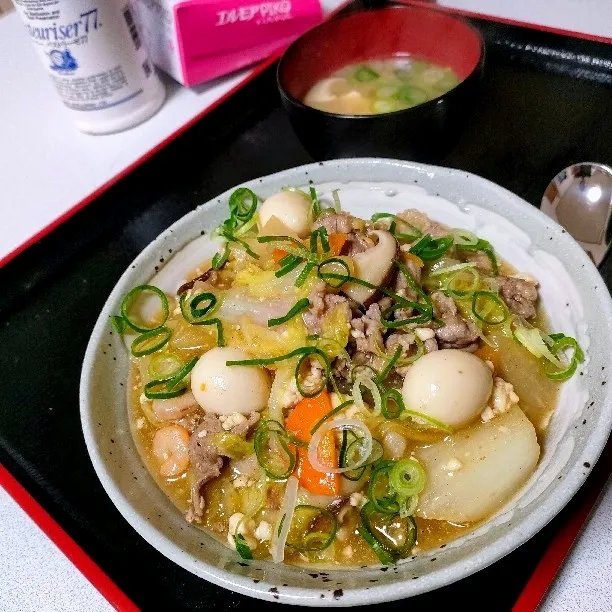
[97, 60]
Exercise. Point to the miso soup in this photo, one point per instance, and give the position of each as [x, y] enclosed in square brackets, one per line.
[381, 86]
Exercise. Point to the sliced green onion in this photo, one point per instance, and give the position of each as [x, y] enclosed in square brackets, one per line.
[244, 245]
[132, 295]
[193, 315]
[315, 540]
[179, 378]
[301, 279]
[374, 390]
[342, 459]
[158, 389]
[408, 506]
[165, 365]
[281, 523]
[197, 300]
[384, 106]
[423, 241]
[383, 556]
[295, 243]
[456, 285]
[242, 548]
[424, 316]
[303, 350]
[272, 447]
[485, 247]
[356, 426]
[425, 308]
[364, 73]
[429, 249]
[184, 306]
[531, 339]
[407, 477]
[165, 388]
[561, 343]
[118, 324]
[381, 493]
[322, 357]
[410, 95]
[217, 323]
[151, 341]
[392, 397]
[241, 231]
[243, 204]
[424, 420]
[232, 445]
[336, 198]
[330, 346]
[288, 264]
[316, 205]
[320, 234]
[564, 374]
[350, 452]
[489, 308]
[442, 270]
[387, 91]
[330, 414]
[363, 370]
[382, 215]
[394, 221]
[339, 279]
[286, 260]
[390, 364]
[300, 305]
[220, 259]
[417, 355]
[463, 237]
[396, 535]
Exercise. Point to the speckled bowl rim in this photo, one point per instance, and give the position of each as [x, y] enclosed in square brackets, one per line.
[568, 251]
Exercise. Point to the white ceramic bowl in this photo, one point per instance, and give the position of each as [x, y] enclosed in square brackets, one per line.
[574, 296]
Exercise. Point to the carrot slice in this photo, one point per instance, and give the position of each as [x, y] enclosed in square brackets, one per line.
[301, 420]
[336, 242]
[278, 254]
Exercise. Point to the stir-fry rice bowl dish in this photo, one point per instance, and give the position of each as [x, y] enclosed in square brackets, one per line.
[345, 369]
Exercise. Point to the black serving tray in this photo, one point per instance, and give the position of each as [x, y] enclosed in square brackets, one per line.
[546, 103]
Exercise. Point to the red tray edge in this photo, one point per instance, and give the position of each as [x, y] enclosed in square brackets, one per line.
[546, 570]
[77, 556]
[544, 574]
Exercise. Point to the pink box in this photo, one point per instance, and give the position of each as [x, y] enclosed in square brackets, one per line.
[198, 40]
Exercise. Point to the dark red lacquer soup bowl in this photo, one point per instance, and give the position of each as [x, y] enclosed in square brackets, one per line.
[424, 131]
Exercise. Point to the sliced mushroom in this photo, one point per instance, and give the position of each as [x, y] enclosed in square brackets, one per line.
[374, 266]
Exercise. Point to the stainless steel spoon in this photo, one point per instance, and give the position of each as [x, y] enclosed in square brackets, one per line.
[580, 199]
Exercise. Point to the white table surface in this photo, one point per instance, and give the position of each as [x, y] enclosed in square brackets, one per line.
[584, 583]
[592, 17]
[36, 576]
[47, 167]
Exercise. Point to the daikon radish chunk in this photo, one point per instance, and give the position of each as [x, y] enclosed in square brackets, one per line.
[473, 472]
